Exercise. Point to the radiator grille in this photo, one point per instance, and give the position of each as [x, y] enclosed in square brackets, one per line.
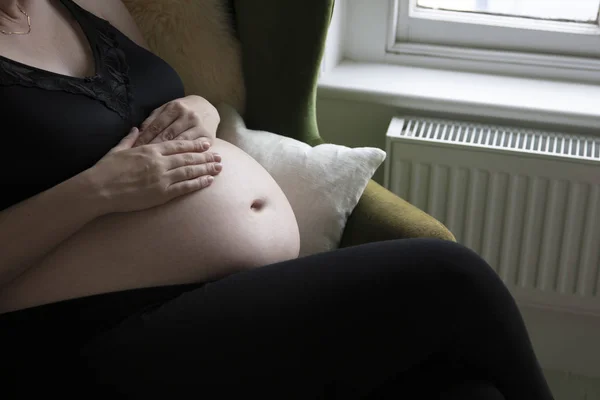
[527, 202]
[502, 138]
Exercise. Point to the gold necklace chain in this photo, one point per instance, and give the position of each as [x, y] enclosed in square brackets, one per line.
[19, 33]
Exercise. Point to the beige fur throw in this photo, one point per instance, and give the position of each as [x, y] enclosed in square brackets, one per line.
[196, 38]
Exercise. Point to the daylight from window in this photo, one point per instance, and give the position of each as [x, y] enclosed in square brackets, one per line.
[561, 10]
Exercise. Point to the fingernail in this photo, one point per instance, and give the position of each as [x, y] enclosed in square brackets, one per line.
[210, 179]
[218, 167]
[217, 157]
[132, 130]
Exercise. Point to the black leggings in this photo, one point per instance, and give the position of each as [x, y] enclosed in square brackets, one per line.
[420, 318]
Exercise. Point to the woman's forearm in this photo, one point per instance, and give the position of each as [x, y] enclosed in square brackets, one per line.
[32, 228]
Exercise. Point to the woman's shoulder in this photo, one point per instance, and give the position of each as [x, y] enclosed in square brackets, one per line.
[115, 12]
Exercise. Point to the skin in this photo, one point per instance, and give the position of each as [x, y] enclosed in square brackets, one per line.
[243, 220]
[40, 50]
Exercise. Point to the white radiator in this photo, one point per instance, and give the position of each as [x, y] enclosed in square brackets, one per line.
[527, 201]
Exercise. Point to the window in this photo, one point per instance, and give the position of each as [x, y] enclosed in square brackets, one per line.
[582, 11]
[561, 36]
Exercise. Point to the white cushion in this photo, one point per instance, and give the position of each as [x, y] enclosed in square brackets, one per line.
[323, 183]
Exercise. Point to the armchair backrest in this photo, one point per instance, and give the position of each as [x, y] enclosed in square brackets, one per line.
[282, 46]
[197, 38]
[264, 59]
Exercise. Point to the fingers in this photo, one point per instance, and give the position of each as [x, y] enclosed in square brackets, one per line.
[192, 132]
[128, 141]
[179, 130]
[193, 172]
[191, 178]
[151, 117]
[164, 118]
[182, 146]
[182, 119]
[183, 128]
[191, 185]
[185, 159]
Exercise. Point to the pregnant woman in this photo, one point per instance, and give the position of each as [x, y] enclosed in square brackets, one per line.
[141, 256]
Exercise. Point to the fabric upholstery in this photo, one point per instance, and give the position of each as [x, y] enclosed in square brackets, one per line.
[266, 64]
[282, 46]
[197, 38]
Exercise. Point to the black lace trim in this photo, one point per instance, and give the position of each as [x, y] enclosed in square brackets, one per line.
[110, 85]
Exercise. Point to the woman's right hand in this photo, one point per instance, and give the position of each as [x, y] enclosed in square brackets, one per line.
[134, 179]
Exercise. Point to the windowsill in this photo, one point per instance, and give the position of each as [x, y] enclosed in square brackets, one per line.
[565, 104]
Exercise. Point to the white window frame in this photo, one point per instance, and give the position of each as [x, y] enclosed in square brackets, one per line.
[403, 42]
[493, 32]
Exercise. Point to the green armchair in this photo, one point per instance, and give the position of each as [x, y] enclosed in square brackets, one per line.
[282, 43]
[282, 46]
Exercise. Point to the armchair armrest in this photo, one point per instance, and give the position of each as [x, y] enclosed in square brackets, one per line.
[381, 215]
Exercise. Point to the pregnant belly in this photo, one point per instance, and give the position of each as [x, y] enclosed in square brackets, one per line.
[243, 220]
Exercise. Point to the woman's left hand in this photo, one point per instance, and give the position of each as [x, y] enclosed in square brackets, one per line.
[188, 118]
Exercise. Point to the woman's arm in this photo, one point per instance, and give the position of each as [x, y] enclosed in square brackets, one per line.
[124, 180]
[32, 228]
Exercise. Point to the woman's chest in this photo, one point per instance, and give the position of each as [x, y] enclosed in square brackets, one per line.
[58, 126]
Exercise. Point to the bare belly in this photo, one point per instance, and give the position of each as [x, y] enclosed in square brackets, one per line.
[243, 220]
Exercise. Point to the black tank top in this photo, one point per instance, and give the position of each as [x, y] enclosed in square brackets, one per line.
[55, 126]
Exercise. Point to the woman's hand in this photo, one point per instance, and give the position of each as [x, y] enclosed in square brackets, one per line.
[132, 179]
[188, 118]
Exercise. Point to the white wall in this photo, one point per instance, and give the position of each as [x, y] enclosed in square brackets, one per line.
[354, 124]
[562, 341]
